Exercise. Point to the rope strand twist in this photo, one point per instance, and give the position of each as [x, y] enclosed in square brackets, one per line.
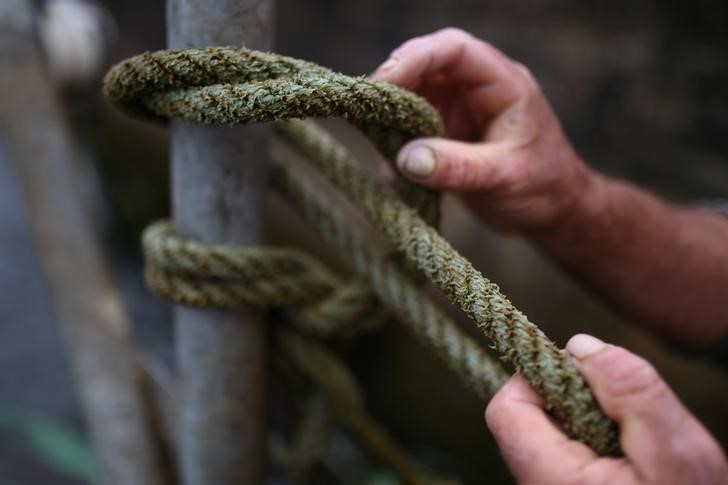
[232, 86]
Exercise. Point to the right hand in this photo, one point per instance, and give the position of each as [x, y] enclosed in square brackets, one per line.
[662, 442]
[511, 163]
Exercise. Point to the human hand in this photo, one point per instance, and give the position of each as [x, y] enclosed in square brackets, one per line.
[662, 442]
[509, 159]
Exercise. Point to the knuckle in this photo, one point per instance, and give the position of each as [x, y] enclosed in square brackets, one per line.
[715, 460]
[409, 45]
[512, 176]
[457, 171]
[697, 446]
[494, 413]
[605, 471]
[628, 375]
[454, 33]
[524, 70]
[696, 456]
[527, 81]
[492, 410]
[576, 477]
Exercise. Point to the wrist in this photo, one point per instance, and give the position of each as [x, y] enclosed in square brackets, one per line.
[584, 213]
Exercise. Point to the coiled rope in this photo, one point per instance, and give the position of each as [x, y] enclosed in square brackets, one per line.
[232, 86]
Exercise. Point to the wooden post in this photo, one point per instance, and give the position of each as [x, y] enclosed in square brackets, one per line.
[219, 180]
[95, 328]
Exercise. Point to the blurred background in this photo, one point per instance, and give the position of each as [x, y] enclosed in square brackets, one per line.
[640, 87]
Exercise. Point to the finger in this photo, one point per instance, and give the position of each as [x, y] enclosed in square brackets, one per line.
[657, 432]
[451, 165]
[528, 439]
[627, 387]
[450, 51]
[462, 58]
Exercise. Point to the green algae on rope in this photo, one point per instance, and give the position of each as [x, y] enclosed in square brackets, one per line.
[514, 336]
[393, 287]
[336, 313]
[319, 302]
[229, 85]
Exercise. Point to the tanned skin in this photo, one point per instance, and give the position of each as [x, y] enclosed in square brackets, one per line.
[508, 159]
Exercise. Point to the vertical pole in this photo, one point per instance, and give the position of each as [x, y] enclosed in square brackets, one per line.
[95, 328]
[219, 180]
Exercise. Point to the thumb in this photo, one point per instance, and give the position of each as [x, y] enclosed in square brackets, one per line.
[656, 430]
[451, 165]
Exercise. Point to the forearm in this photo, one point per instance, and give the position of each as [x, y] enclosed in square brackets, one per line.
[664, 264]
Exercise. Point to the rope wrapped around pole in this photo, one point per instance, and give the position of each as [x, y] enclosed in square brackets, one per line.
[232, 85]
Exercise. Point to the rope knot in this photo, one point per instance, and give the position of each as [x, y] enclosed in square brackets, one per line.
[225, 85]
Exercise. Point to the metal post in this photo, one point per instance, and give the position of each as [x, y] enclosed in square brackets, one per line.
[219, 180]
[95, 327]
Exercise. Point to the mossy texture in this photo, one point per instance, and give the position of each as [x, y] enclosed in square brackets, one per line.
[232, 86]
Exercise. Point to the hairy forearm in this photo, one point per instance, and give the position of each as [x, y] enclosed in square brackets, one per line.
[664, 264]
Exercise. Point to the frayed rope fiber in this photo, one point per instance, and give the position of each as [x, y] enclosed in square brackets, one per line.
[226, 86]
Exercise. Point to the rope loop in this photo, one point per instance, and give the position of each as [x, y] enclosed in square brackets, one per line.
[230, 85]
[189, 273]
[225, 85]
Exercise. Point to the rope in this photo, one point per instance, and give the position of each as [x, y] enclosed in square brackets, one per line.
[307, 445]
[514, 336]
[195, 274]
[394, 289]
[391, 285]
[340, 387]
[230, 86]
[477, 370]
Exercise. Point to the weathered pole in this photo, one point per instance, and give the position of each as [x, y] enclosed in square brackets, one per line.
[219, 179]
[95, 328]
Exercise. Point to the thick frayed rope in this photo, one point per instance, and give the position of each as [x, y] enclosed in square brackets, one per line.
[517, 339]
[228, 86]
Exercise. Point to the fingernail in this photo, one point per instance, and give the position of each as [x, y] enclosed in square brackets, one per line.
[419, 162]
[387, 65]
[581, 346]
